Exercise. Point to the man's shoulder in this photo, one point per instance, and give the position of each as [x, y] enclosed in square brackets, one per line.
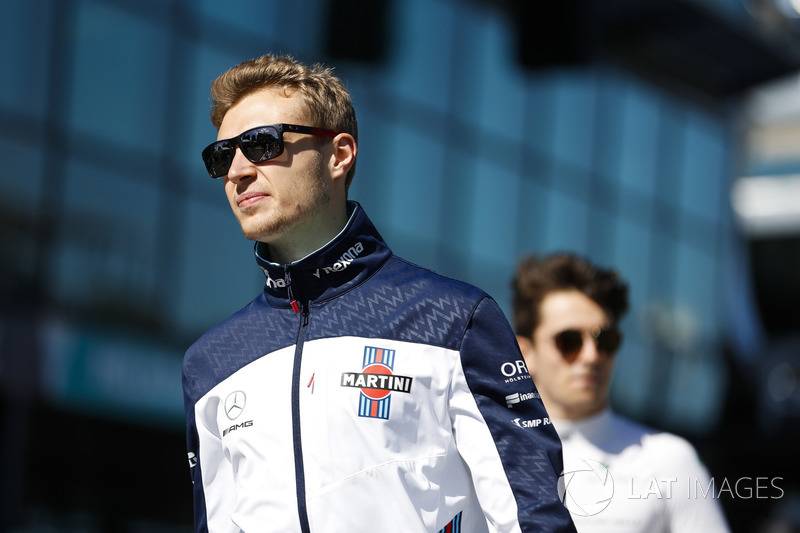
[245, 330]
[250, 333]
[655, 442]
[414, 274]
[232, 321]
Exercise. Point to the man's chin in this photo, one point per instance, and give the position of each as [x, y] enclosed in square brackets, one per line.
[262, 232]
[258, 236]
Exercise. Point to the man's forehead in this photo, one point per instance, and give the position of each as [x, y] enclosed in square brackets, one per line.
[570, 308]
[261, 108]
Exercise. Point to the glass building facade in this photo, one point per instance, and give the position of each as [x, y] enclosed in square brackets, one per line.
[118, 250]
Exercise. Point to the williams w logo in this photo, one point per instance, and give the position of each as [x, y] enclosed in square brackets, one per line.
[377, 383]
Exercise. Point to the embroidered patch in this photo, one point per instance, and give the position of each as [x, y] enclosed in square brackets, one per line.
[377, 382]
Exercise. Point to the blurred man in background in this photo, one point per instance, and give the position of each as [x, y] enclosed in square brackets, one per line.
[357, 392]
[619, 476]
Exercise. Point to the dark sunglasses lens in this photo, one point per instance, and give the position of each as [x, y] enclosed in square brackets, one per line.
[569, 342]
[218, 157]
[257, 145]
[261, 144]
[609, 340]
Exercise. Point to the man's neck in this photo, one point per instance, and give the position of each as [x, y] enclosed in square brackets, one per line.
[307, 240]
[575, 414]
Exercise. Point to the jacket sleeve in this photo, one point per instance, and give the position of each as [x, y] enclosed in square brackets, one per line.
[193, 449]
[503, 432]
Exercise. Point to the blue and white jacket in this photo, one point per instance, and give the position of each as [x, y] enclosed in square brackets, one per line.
[361, 393]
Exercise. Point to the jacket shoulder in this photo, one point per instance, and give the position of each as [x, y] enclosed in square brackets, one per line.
[248, 334]
[430, 280]
[404, 301]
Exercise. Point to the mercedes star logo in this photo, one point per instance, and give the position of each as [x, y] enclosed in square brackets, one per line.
[234, 404]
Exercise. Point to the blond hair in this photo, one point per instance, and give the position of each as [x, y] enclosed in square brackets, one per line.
[327, 101]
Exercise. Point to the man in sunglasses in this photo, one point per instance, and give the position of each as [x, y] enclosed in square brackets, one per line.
[357, 392]
[619, 476]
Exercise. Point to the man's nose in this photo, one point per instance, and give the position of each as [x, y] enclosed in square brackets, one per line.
[241, 167]
[589, 352]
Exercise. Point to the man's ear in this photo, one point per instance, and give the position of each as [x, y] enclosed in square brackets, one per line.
[526, 347]
[344, 155]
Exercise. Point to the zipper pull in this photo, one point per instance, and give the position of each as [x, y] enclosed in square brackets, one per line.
[287, 278]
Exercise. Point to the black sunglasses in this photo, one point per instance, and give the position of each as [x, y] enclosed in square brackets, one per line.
[570, 341]
[257, 145]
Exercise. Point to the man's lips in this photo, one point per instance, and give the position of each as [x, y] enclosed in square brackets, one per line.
[586, 379]
[249, 199]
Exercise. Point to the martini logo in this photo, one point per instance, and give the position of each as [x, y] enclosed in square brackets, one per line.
[377, 383]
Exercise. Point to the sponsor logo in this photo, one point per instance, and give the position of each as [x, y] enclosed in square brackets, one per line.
[532, 422]
[377, 383]
[274, 283]
[343, 262]
[519, 397]
[515, 371]
[587, 491]
[192, 460]
[234, 427]
[234, 404]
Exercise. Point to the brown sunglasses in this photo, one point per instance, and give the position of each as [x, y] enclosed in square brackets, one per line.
[570, 341]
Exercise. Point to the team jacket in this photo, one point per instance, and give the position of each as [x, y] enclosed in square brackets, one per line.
[361, 393]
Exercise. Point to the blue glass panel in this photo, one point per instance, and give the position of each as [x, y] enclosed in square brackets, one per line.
[575, 112]
[218, 272]
[632, 259]
[413, 182]
[567, 218]
[639, 157]
[21, 179]
[24, 67]
[107, 234]
[532, 211]
[423, 29]
[698, 284]
[703, 191]
[502, 83]
[493, 213]
[119, 80]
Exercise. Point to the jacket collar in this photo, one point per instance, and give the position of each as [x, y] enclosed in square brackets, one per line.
[345, 262]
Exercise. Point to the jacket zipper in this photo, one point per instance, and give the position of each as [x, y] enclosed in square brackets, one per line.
[299, 471]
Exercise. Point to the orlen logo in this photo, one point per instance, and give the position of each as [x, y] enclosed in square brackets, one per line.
[532, 423]
[343, 262]
[515, 371]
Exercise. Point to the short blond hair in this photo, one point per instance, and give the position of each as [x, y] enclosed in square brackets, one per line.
[327, 101]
